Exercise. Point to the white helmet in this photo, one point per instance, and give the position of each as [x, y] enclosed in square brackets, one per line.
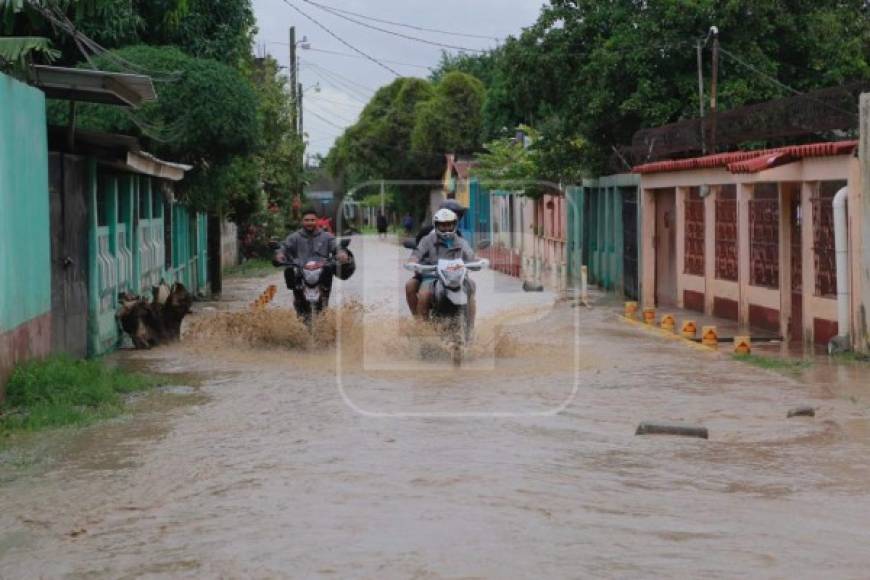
[445, 216]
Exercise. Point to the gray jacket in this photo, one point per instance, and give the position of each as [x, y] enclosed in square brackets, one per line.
[432, 248]
[301, 247]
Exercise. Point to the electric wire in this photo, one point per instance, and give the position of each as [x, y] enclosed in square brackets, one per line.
[393, 32]
[347, 54]
[782, 85]
[412, 26]
[341, 40]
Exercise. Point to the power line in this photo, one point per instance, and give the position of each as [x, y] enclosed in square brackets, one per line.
[341, 40]
[318, 98]
[339, 117]
[782, 85]
[346, 79]
[327, 121]
[335, 52]
[362, 95]
[414, 27]
[392, 32]
[347, 91]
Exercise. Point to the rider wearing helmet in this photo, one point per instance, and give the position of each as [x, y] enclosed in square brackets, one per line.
[443, 242]
[412, 286]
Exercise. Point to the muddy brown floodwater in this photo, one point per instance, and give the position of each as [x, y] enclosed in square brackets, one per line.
[361, 454]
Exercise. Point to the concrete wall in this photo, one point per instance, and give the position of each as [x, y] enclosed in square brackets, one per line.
[799, 180]
[229, 244]
[25, 252]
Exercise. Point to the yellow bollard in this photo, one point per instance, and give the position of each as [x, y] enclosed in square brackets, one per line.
[689, 329]
[649, 315]
[668, 322]
[630, 310]
[709, 336]
[742, 345]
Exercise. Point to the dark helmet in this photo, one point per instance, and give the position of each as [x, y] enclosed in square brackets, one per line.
[453, 206]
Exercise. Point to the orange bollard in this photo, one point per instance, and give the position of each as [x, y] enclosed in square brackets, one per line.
[649, 315]
[630, 310]
[668, 322]
[689, 329]
[742, 345]
[709, 336]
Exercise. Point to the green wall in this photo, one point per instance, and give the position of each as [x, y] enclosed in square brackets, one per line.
[25, 251]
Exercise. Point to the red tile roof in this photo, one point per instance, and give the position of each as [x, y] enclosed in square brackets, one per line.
[751, 161]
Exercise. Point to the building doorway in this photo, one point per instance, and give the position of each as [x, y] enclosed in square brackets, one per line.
[666, 247]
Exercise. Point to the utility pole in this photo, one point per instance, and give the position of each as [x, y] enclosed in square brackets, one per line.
[713, 88]
[382, 197]
[700, 47]
[292, 69]
[299, 92]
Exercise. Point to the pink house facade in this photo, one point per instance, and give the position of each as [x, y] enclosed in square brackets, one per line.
[750, 236]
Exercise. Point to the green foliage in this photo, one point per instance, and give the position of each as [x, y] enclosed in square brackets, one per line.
[17, 51]
[774, 363]
[111, 23]
[589, 74]
[507, 164]
[221, 30]
[377, 145]
[253, 268]
[60, 391]
[207, 117]
[451, 120]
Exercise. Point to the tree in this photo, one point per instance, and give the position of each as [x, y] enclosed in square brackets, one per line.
[451, 120]
[206, 117]
[599, 71]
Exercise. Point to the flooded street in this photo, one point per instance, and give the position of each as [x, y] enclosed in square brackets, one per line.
[358, 458]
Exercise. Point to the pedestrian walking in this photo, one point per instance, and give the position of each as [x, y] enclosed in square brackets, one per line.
[408, 224]
[382, 225]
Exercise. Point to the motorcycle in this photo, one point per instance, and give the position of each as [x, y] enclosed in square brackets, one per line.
[450, 300]
[313, 279]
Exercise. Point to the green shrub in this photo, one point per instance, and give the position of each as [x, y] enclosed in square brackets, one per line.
[61, 391]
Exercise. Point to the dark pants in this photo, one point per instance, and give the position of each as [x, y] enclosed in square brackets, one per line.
[293, 278]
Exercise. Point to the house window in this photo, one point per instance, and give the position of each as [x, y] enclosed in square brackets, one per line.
[694, 233]
[726, 233]
[764, 236]
[824, 253]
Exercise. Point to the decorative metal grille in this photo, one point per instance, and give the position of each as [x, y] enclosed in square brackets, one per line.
[824, 252]
[726, 233]
[813, 116]
[694, 233]
[764, 238]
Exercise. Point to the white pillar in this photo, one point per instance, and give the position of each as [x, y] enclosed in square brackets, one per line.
[864, 154]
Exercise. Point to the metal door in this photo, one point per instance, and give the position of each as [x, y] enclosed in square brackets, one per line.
[69, 254]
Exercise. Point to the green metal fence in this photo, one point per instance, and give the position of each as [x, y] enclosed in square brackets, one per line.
[128, 247]
[596, 231]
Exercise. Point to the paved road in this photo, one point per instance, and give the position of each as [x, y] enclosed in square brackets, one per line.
[404, 468]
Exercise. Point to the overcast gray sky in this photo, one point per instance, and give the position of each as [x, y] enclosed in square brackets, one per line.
[347, 82]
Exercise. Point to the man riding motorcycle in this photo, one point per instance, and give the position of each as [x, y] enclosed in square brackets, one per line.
[311, 243]
[412, 286]
[442, 243]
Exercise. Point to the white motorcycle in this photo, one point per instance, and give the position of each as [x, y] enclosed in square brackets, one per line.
[450, 299]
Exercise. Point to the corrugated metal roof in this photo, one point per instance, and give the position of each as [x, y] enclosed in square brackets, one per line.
[751, 161]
